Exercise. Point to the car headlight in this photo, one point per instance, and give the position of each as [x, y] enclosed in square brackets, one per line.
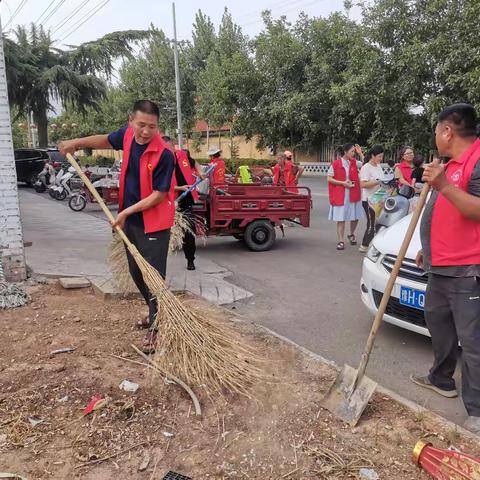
[373, 254]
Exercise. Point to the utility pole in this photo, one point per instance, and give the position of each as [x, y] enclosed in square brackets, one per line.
[177, 81]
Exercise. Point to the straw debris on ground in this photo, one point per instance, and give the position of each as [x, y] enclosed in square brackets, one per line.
[283, 433]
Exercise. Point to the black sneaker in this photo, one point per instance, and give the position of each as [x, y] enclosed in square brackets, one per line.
[426, 383]
[190, 265]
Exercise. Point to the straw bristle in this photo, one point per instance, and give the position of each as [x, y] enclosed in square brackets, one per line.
[117, 258]
[196, 348]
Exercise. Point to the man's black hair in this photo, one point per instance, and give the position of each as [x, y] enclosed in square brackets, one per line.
[166, 138]
[462, 117]
[146, 106]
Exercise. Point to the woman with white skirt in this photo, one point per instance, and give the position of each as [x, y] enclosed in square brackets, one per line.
[345, 193]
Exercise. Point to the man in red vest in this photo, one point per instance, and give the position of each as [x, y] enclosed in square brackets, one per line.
[186, 172]
[450, 234]
[146, 196]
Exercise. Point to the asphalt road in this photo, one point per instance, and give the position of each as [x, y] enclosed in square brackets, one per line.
[308, 292]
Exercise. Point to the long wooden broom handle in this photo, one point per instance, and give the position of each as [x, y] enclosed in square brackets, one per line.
[98, 198]
[391, 282]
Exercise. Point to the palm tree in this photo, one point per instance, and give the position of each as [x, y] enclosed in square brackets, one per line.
[38, 73]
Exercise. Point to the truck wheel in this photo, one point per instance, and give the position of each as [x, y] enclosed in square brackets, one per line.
[260, 235]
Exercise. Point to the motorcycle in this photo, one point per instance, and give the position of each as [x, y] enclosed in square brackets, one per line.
[397, 205]
[56, 182]
[63, 189]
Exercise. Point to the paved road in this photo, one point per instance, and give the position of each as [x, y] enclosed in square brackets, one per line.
[307, 291]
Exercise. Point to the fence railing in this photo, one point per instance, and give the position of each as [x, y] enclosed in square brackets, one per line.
[320, 169]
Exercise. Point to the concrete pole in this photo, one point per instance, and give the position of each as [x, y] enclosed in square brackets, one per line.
[12, 254]
[177, 81]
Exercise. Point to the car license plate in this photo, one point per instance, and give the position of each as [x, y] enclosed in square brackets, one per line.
[412, 298]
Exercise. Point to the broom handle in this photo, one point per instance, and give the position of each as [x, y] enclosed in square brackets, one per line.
[391, 283]
[98, 198]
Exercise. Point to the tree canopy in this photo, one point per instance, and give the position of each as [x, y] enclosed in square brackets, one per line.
[381, 79]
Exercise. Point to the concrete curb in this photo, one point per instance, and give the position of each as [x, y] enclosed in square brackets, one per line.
[409, 404]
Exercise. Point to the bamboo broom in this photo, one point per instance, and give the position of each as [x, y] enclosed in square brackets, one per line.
[192, 346]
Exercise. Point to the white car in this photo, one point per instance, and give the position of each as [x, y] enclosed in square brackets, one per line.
[406, 305]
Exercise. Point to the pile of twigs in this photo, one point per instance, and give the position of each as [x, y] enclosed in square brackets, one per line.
[11, 295]
[196, 348]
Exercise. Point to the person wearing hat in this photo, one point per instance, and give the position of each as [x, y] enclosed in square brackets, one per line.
[218, 175]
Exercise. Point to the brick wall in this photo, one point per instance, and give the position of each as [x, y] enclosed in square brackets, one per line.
[11, 238]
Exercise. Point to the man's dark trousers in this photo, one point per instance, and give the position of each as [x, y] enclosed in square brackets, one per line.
[154, 249]
[452, 313]
[189, 245]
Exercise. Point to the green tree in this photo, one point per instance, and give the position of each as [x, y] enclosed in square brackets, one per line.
[228, 86]
[203, 44]
[38, 72]
[281, 57]
[112, 113]
[152, 75]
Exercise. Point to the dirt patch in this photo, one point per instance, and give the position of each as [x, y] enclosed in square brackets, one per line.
[281, 433]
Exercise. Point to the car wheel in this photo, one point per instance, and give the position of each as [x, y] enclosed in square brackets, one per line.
[32, 180]
[77, 203]
[260, 235]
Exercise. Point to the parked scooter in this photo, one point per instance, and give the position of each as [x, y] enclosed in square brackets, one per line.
[63, 189]
[56, 182]
[45, 178]
[396, 206]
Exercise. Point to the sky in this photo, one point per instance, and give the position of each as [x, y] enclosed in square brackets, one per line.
[139, 14]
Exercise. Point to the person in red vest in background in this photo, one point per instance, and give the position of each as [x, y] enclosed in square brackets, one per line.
[186, 172]
[218, 175]
[450, 235]
[283, 174]
[297, 170]
[404, 169]
[345, 194]
[146, 196]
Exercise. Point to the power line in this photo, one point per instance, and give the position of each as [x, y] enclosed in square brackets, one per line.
[273, 6]
[79, 22]
[67, 18]
[16, 12]
[44, 12]
[254, 22]
[98, 8]
[55, 10]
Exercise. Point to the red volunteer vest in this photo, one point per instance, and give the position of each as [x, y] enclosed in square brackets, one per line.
[187, 170]
[406, 170]
[337, 192]
[288, 176]
[159, 217]
[218, 175]
[455, 240]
